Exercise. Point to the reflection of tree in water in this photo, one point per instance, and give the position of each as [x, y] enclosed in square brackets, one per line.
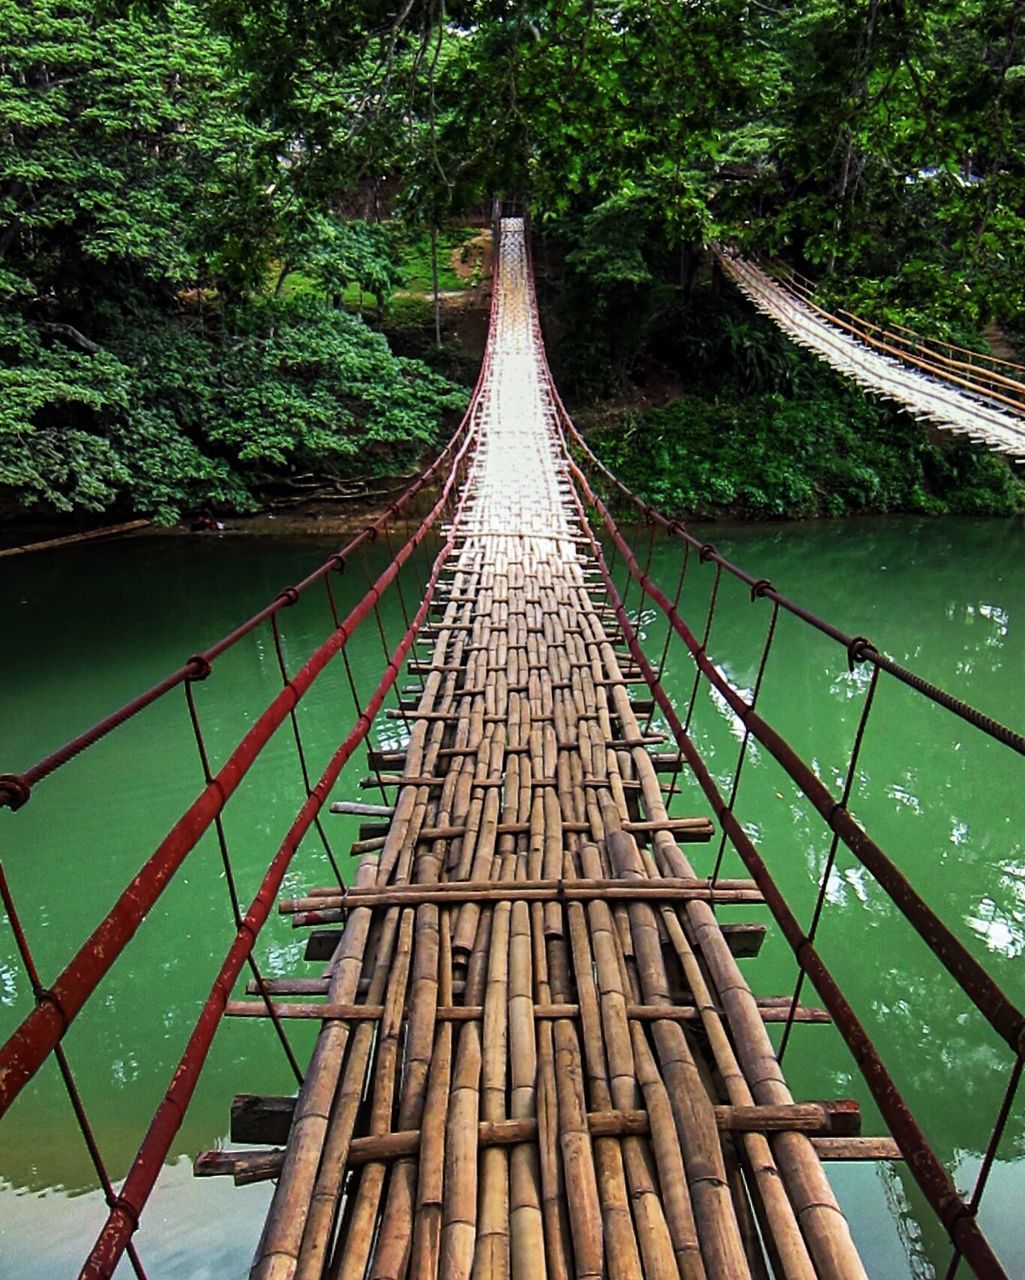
[926, 1245]
[908, 1222]
[953, 1068]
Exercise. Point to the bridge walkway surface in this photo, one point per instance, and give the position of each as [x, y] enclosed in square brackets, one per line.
[553, 1059]
[537, 1053]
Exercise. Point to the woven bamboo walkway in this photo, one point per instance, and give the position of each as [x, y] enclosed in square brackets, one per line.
[539, 1056]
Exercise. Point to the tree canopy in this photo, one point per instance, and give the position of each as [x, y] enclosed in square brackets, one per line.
[146, 211]
[165, 166]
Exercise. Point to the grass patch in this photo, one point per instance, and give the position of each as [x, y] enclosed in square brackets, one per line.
[413, 249]
[415, 259]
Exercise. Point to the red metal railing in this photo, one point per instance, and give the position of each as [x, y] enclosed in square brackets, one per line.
[41, 1032]
[957, 1213]
[124, 1215]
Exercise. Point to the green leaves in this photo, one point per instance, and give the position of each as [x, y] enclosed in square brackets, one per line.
[165, 168]
[178, 417]
[142, 204]
[825, 455]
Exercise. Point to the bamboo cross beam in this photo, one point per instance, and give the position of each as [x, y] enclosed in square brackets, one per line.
[455, 717]
[744, 941]
[385, 898]
[249, 1167]
[409, 705]
[455, 892]
[359, 809]
[256, 1118]
[429, 668]
[770, 1012]
[460, 890]
[685, 829]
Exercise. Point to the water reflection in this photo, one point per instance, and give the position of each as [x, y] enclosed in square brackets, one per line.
[949, 808]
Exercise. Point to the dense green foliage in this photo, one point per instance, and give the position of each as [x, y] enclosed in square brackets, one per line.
[147, 222]
[822, 455]
[878, 144]
[762, 430]
[190, 195]
[880, 141]
[169, 416]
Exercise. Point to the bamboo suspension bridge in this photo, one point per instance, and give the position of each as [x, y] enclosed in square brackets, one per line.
[538, 1052]
[975, 395]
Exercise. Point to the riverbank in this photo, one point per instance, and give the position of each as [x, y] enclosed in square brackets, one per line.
[825, 452]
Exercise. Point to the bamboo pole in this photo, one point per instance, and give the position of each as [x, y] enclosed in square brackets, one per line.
[538, 1057]
[491, 1255]
[362, 1223]
[425, 1254]
[824, 1228]
[278, 1250]
[72, 538]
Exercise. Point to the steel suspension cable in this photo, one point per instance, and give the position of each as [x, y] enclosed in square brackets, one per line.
[300, 749]
[746, 738]
[928, 1170]
[41, 1030]
[229, 878]
[834, 845]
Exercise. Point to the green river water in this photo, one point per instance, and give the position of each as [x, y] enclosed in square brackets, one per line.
[87, 627]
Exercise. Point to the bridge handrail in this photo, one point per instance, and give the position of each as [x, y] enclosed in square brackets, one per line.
[897, 347]
[916, 342]
[125, 1212]
[858, 648]
[42, 1029]
[808, 287]
[902, 347]
[956, 1212]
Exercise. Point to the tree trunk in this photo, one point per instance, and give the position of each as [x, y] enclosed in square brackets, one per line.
[434, 279]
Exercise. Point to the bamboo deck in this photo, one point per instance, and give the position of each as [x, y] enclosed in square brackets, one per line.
[539, 1057]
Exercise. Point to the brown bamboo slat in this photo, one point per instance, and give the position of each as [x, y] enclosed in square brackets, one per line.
[537, 1056]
